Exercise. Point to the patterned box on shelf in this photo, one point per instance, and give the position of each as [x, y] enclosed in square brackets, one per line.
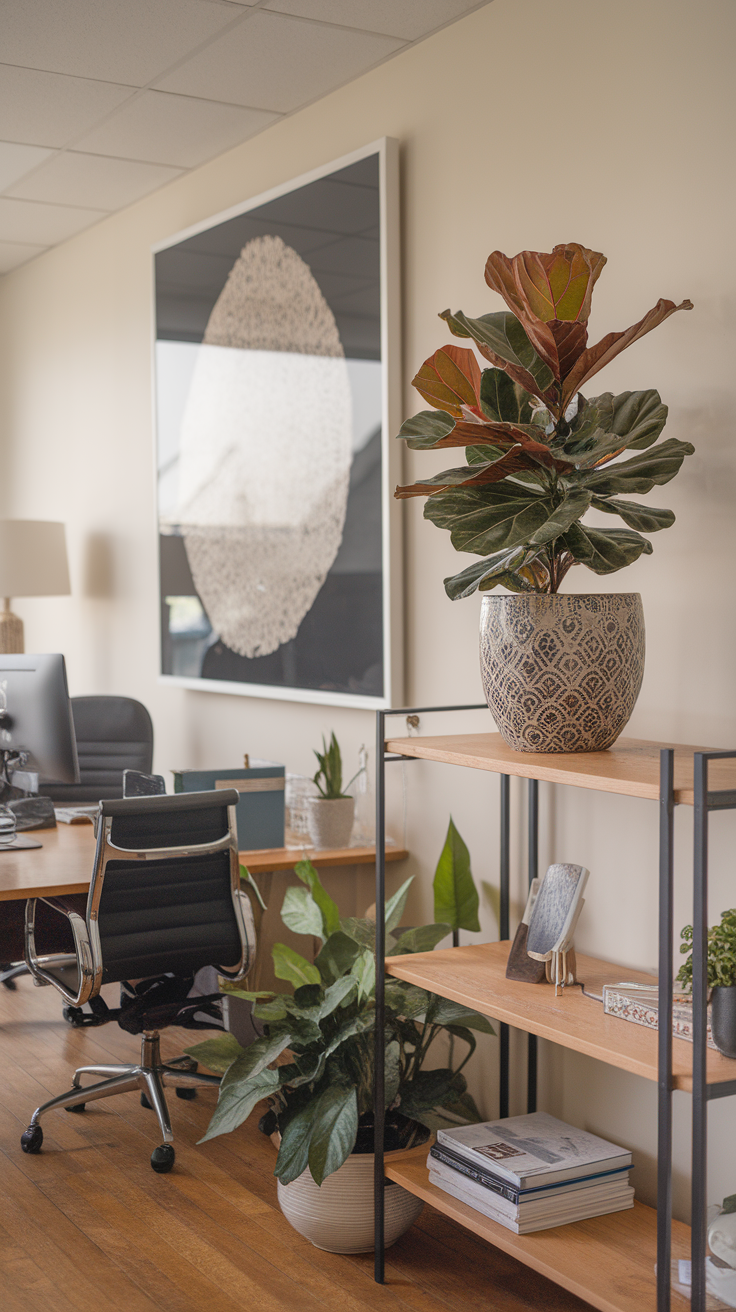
[260, 811]
[640, 1003]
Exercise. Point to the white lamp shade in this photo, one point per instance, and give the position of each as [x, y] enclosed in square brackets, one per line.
[33, 561]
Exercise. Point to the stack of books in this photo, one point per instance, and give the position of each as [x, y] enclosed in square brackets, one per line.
[531, 1172]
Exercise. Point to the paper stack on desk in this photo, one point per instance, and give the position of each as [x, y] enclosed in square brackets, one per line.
[531, 1172]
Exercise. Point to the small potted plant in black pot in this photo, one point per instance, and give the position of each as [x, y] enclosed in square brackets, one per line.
[721, 978]
[330, 816]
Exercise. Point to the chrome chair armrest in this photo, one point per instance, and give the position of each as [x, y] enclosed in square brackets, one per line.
[40, 966]
[247, 927]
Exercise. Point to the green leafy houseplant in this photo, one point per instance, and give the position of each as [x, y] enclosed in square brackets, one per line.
[323, 1031]
[721, 953]
[539, 454]
[455, 894]
[329, 775]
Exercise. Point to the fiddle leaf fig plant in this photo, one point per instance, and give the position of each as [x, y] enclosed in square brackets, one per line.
[322, 1035]
[539, 454]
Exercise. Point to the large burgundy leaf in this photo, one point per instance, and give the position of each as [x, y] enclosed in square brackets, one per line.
[510, 463]
[545, 289]
[596, 357]
[450, 379]
[503, 435]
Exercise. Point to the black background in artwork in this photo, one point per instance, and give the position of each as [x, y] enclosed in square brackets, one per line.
[334, 224]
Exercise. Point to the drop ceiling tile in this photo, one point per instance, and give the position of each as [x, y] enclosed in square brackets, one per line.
[114, 40]
[278, 63]
[48, 109]
[26, 221]
[94, 180]
[15, 161]
[15, 253]
[179, 130]
[409, 19]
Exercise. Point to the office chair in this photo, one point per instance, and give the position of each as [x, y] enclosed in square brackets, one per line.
[113, 734]
[165, 898]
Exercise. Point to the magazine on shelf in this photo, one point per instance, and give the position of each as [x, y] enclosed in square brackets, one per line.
[596, 1195]
[533, 1149]
[576, 1209]
[438, 1154]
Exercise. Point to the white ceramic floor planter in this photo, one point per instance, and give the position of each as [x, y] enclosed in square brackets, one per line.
[338, 1216]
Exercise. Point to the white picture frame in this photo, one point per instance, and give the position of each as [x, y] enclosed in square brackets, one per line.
[390, 692]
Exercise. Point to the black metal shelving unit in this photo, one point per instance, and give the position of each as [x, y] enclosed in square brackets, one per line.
[705, 802]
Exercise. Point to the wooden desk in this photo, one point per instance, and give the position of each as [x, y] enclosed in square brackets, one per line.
[64, 863]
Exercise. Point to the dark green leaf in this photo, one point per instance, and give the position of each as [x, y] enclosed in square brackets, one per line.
[503, 400]
[337, 995]
[330, 914]
[350, 1027]
[336, 957]
[426, 428]
[301, 914]
[455, 894]
[216, 1054]
[289, 965]
[422, 939]
[489, 573]
[363, 931]
[271, 1011]
[647, 519]
[604, 550]
[443, 1011]
[294, 1148]
[429, 1089]
[639, 474]
[334, 1130]
[503, 336]
[486, 520]
[363, 971]
[236, 1102]
[255, 1058]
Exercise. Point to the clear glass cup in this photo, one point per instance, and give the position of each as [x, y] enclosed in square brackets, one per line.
[7, 826]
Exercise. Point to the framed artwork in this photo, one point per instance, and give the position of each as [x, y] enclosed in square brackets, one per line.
[277, 401]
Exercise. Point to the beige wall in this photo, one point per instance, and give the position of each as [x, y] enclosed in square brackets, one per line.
[528, 123]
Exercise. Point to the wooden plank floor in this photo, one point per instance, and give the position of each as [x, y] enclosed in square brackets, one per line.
[87, 1223]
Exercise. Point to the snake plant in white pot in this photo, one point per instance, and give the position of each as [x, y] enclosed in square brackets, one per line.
[321, 1029]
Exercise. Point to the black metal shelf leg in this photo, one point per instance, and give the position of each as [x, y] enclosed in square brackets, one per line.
[533, 866]
[700, 1003]
[380, 1050]
[664, 1037]
[504, 931]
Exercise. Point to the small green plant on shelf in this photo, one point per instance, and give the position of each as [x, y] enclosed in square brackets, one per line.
[329, 775]
[321, 1026]
[721, 953]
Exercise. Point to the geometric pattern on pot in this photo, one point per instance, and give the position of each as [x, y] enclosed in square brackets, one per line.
[561, 673]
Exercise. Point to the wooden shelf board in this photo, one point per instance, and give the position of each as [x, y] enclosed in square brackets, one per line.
[607, 1260]
[630, 767]
[475, 976]
[264, 860]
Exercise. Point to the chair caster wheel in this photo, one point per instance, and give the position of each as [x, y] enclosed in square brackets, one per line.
[10, 984]
[78, 1107]
[31, 1139]
[162, 1158]
[73, 1016]
[145, 1103]
[186, 1094]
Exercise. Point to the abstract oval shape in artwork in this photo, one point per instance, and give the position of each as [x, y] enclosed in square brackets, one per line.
[265, 452]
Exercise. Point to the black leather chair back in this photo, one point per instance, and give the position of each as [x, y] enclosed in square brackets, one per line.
[174, 913]
[113, 734]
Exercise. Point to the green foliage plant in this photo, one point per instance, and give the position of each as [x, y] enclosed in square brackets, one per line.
[539, 454]
[721, 953]
[455, 894]
[329, 775]
[321, 1028]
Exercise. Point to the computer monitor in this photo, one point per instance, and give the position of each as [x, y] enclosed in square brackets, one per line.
[36, 717]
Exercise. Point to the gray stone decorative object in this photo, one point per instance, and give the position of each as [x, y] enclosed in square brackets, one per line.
[330, 821]
[561, 673]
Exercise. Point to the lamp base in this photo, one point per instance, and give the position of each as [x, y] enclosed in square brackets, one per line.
[11, 633]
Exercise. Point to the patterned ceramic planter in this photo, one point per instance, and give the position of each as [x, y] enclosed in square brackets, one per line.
[561, 673]
[338, 1216]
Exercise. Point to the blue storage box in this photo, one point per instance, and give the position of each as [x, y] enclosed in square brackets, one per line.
[260, 811]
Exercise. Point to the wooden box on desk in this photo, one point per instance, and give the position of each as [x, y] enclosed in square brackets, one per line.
[260, 811]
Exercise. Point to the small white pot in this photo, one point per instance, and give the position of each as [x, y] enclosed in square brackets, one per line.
[338, 1216]
[330, 821]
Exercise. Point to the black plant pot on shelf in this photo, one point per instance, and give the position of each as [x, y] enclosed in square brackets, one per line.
[723, 1019]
